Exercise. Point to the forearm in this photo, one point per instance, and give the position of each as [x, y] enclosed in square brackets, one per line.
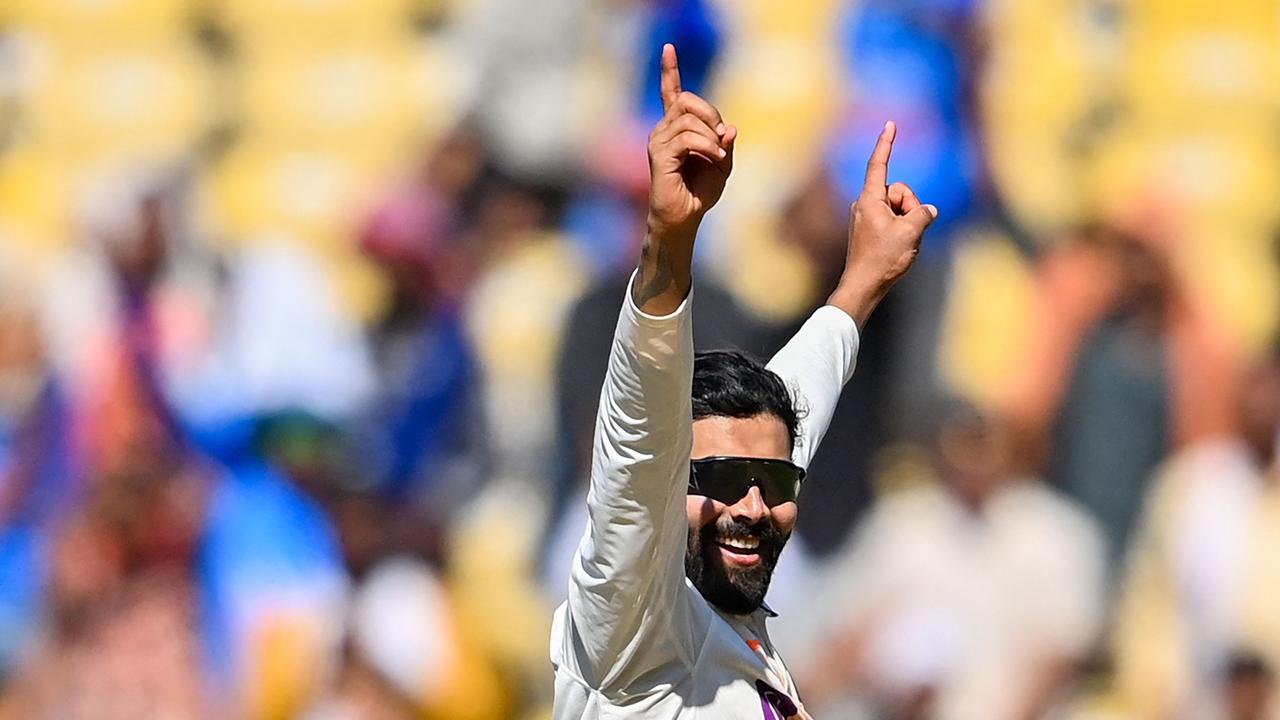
[664, 274]
[858, 294]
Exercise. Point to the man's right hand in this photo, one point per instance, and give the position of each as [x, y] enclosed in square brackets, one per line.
[690, 155]
[690, 158]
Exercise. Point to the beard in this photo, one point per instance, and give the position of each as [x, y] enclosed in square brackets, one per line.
[735, 590]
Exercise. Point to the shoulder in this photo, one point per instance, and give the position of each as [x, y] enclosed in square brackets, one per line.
[912, 514]
[1041, 510]
[928, 498]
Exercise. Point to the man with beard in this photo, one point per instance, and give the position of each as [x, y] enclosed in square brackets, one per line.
[642, 633]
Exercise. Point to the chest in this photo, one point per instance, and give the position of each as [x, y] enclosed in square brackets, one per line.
[741, 675]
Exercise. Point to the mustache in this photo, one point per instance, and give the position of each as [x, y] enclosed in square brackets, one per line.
[763, 532]
[733, 589]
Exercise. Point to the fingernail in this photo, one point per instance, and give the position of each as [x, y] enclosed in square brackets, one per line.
[720, 129]
[721, 151]
[887, 123]
[932, 210]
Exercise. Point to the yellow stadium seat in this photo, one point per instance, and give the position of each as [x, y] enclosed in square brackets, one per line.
[95, 20]
[1202, 88]
[988, 318]
[801, 20]
[36, 199]
[771, 104]
[1234, 268]
[1202, 76]
[517, 308]
[515, 317]
[772, 280]
[370, 94]
[361, 287]
[288, 654]
[318, 21]
[257, 190]
[266, 193]
[1045, 72]
[1202, 169]
[1165, 17]
[781, 83]
[153, 98]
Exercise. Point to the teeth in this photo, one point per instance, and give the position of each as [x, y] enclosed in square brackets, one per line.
[740, 543]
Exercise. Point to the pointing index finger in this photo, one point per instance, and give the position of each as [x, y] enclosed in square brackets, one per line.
[878, 165]
[670, 76]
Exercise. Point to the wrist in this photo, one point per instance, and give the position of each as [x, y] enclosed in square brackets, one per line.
[672, 234]
[665, 270]
[857, 296]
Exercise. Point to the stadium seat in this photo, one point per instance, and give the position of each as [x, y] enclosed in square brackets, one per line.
[370, 96]
[302, 192]
[781, 88]
[315, 21]
[35, 200]
[150, 98]
[988, 318]
[1042, 83]
[97, 20]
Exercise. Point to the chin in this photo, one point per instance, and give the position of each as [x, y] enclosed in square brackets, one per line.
[735, 590]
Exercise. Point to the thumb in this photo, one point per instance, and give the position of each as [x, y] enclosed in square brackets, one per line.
[921, 217]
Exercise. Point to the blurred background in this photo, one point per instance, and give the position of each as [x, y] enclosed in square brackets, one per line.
[304, 308]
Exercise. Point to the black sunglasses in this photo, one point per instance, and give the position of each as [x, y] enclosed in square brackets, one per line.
[728, 479]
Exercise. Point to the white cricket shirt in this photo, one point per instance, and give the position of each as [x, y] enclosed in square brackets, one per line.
[635, 639]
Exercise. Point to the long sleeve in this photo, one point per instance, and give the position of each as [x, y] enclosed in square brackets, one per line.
[815, 364]
[630, 562]
[1149, 640]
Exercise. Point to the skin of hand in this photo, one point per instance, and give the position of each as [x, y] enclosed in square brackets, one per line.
[886, 225]
[690, 160]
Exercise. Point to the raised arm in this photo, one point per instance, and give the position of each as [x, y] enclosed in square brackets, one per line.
[631, 558]
[690, 158]
[885, 227]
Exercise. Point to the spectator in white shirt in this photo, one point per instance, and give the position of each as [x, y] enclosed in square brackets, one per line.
[973, 597]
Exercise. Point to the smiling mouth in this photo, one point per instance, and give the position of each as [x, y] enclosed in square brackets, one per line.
[739, 551]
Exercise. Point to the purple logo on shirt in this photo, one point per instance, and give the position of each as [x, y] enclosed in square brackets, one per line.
[775, 704]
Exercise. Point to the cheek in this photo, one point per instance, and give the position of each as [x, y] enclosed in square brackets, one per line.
[701, 510]
[784, 517]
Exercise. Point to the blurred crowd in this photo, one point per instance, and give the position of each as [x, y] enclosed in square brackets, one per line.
[305, 308]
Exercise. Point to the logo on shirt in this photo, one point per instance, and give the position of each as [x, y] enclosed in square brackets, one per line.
[775, 704]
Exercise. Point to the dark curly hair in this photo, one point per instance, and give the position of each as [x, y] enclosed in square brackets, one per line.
[730, 383]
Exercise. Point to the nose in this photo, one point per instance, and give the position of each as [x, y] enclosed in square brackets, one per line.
[751, 508]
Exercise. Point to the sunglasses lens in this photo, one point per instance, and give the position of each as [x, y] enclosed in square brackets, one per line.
[729, 479]
[784, 483]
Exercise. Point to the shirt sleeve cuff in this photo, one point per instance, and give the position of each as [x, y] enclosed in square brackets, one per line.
[643, 318]
[838, 322]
